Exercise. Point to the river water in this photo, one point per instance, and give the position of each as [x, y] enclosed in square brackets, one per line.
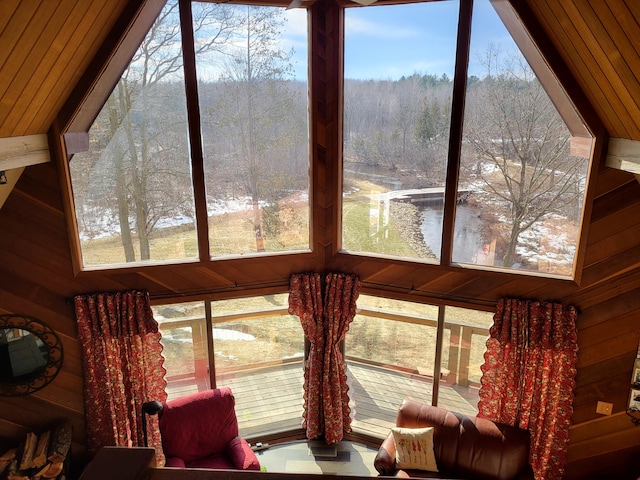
[467, 237]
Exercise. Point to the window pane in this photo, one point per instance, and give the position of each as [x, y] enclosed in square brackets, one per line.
[390, 351]
[399, 64]
[259, 349]
[464, 344]
[524, 159]
[184, 339]
[252, 83]
[132, 189]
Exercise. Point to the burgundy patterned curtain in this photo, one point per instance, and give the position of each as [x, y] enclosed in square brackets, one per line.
[529, 377]
[123, 367]
[305, 301]
[341, 293]
[325, 311]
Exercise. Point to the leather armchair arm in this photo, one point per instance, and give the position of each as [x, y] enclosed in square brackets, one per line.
[243, 458]
[385, 461]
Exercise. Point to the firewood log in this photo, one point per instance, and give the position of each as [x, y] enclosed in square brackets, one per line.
[29, 448]
[40, 472]
[53, 471]
[40, 455]
[60, 443]
[6, 458]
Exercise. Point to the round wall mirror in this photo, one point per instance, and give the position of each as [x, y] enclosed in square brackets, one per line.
[30, 355]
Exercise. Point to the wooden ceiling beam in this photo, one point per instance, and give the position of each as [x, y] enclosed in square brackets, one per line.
[624, 155]
[17, 152]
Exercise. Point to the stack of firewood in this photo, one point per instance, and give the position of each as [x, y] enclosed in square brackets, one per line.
[40, 457]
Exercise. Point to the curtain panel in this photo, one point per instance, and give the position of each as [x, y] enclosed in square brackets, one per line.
[123, 367]
[325, 311]
[305, 301]
[529, 377]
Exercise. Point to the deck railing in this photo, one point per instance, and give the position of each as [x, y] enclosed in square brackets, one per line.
[454, 369]
[269, 394]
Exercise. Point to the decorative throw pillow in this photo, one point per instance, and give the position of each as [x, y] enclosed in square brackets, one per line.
[414, 448]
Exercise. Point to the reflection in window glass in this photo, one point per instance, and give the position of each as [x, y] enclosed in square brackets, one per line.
[184, 340]
[397, 107]
[391, 353]
[132, 189]
[524, 168]
[466, 335]
[252, 84]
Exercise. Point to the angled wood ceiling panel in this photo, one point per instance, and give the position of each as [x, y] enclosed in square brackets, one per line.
[51, 52]
[595, 42]
[44, 48]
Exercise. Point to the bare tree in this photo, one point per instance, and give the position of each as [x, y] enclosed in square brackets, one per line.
[148, 125]
[520, 146]
[254, 112]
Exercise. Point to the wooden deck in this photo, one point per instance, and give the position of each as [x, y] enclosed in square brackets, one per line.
[269, 400]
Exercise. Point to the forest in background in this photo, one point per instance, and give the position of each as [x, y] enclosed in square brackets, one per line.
[134, 186]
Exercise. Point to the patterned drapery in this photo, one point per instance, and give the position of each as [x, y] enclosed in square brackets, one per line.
[529, 376]
[325, 312]
[305, 301]
[123, 367]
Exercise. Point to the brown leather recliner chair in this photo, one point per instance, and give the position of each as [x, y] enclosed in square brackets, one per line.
[464, 446]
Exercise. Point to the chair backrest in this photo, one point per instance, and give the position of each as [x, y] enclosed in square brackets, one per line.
[470, 446]
[198, 425]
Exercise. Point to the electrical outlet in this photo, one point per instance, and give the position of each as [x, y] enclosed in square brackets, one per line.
[604, 408]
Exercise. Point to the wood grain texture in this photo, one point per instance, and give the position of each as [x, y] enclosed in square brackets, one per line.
[46, 49]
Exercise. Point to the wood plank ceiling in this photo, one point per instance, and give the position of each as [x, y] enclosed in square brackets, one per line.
[45, 46]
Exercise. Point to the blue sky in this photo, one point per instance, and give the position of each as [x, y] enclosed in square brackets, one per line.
[386, 42]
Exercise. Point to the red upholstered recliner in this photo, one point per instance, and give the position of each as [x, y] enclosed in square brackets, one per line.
[201, 431]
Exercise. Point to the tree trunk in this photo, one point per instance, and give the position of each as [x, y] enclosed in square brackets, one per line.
[121, 184]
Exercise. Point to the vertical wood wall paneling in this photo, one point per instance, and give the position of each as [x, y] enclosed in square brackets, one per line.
[36, 274]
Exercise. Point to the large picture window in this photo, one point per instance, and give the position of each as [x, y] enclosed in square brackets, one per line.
[257, 348]
[253, 106]
[133, 188]
[397, 112]
[134, 194]
[522, 163]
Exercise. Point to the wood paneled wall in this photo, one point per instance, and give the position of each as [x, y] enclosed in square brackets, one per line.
[37, 277]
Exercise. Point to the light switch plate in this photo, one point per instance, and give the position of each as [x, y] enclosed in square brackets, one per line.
[604, 408]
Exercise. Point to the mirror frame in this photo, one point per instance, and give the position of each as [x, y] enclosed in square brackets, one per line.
[33, 383]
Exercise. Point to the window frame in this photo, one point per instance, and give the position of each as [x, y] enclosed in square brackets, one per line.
[326, 58]
[569, 102]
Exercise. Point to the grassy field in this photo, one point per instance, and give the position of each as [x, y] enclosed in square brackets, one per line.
[234, 234]
[396, 343]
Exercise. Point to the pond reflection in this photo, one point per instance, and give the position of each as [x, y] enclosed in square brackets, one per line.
[467, 240]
